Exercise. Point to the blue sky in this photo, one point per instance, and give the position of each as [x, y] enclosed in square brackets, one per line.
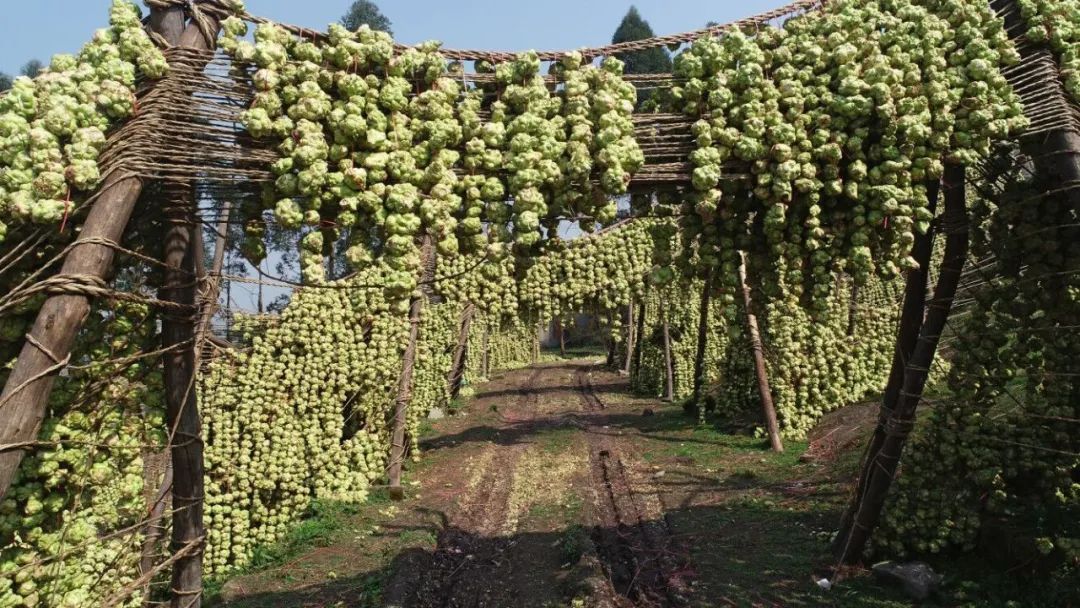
[39, 28]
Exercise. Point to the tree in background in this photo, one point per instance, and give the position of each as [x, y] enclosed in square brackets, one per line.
[651, 61]
[5, 82]
[32, 68]
[366, 12]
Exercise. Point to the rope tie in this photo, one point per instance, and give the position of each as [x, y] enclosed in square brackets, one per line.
[203, 22]
[30, 339]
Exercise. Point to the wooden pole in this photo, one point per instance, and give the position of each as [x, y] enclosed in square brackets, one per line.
[640, 332]
[485, 357]
[703, 338]
[883, 463]
[562, 336]
[631, 337]
[911, 320]
[457, 366]
[155, 530]
[404, 389]
[61, 316]
[669, 362]
[27, 390]
[767, 407]
[178, 335]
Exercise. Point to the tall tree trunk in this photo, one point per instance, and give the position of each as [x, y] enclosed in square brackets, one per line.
[561, 331]
[883, 463]
[767, 407]
[911, 320]
[702, 338]
[405, 381]
[461, 347]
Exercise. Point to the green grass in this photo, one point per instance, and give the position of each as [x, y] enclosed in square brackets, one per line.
[322, 525]
[556, 440]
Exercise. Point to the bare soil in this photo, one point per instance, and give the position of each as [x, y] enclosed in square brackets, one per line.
[554, 486]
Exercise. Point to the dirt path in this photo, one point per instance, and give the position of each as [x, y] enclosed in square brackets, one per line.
[555, 487]
[501, 544]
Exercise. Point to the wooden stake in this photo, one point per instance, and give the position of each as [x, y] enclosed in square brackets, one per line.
[404, 390]
[631, 337]
[703, 339]
[457, 367]
[767, 407]
[485, 360]
[669, 361]
[636, 369]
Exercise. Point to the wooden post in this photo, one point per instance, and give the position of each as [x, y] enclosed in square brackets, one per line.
[156, 529]
[404, 389]
[27, 390]
[631, 337]
[853, 310]
[767, 407]
[485, 357]
[457, 366]
[559, 329]
[911, 320]
[882, 464]
[61, 316]
[636, 369]
[610, 361]
[703, 338]
[178, 336]
[669, 362]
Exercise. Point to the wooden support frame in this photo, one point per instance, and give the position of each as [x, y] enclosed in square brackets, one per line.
[887, 445]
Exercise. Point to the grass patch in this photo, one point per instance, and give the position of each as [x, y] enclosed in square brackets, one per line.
[320, 527]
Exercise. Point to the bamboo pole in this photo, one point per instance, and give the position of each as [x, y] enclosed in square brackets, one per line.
[884, 462]
[767, 407]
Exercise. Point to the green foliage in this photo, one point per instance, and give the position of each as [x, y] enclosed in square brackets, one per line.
[52, 127]
[5, 82]
[388, 145]
[366, 12]
[87, 480]
[842, 115]
[651, 61]
[1057, 23]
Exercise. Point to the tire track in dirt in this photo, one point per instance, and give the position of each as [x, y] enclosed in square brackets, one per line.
[470, 552]
[632, 540]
